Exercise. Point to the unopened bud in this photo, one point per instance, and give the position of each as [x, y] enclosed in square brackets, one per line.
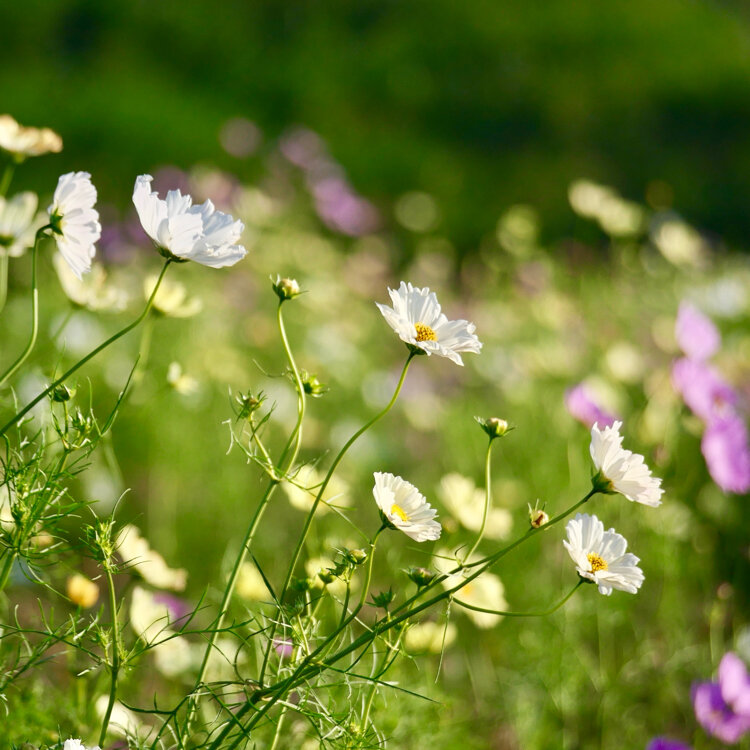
[421, 576]
[312, 386]
[356, 556]
[62, 393]
[494, 426]
[286, 288]
[383, 599]
[326, 575]
[537, 516]
[249, 404]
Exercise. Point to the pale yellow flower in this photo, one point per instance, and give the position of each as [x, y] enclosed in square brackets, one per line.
[91, 291]
[171, 299]
[146, 562]
[429, 637]
[305, 489]
[465, 502]
[25, 141]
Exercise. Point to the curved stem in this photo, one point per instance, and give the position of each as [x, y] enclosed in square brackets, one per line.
[306, 669]
[34, 311]
[296, 439]
[115, 655]
[544, 613]
[332, 469]
[487, 500]
[316, 502]
[89, 356]
[296, 436]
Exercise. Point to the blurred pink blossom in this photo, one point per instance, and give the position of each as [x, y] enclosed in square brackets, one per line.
[696, 334]
[581, 406]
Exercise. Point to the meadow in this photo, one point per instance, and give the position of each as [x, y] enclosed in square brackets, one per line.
[277, 603]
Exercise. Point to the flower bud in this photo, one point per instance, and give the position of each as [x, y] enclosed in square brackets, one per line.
[312, 386]
[326, 575]
[537, 516]
[421, 576]
[286, 288]
[494, 426]
[356, 556]
[62, 393]
[82, 591]
[249, 403]
[383, 599]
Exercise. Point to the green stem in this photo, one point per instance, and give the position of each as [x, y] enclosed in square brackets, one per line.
[3, 277]
[307, 669]
[332, 469]
[544, 613]
[115, 654]
[7, 566]
[255, 521]
[487, 500]
[277, 733]
[10, 167]
[34, 311]
[89, 356]
[296, 436]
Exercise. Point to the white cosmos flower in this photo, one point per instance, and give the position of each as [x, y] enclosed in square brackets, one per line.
[22, 141]
[18, 223]
[620, 470]
[122, 721]
[77, 745]
[465, 501]
[405, 507]
[416, 318]
[149, 564]
[600, 555]
[187, 232]
[75, 221]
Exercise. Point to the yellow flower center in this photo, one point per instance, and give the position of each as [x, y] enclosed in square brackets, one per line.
[397, 510]
[467, 589]
[424, 332]
[596, 562]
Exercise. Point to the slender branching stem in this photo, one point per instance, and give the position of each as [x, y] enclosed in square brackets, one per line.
[255, 520]
[111, 340]
[331, 470]
[487, 498]
[34, 311]
[311, 665]
[543, 613]
[115, 666]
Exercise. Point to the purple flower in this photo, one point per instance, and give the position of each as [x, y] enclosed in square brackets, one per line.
[696, 335]
[704, 391]
[178, 608]
[662, 743]
[735, 684]
[727, 453]
[715, 716]
[283, 647]
[582, 407]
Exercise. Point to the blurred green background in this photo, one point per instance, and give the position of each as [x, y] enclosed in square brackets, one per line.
[482, 104]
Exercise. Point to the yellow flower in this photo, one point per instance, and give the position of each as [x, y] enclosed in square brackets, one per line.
[82, 591]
